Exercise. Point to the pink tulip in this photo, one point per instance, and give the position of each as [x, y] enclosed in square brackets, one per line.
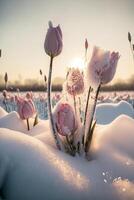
[75, 82]
[53, 47]
[26, 108]
[53, 41]
[65, 119]
[5, 93]
[109, 73]
[29, 95]
[102, 66]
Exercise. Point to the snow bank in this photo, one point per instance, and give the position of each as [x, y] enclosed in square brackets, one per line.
[107, 112]
[33, 169]
[2, 112]
[12, 121]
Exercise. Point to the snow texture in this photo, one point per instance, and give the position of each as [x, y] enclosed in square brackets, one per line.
[32, 168]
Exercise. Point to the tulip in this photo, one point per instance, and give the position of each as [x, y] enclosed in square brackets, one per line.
[101, 70]
[66, 124]
[53, 42]
[74, 84]
[65, 119]
[108, 74]
[102, 66]
[53, 47]
[29, 95]
[26, 109]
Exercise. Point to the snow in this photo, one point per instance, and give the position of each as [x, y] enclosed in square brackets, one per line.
[32, 168]
[2, 112]
[12, 121]
[107, 112]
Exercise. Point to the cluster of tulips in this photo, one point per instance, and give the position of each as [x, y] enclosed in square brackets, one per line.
[71, 130]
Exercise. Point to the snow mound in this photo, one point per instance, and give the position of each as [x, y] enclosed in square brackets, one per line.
[107, 112]
[41, 127]
[12, 121]
[33, 169]
[2, 112]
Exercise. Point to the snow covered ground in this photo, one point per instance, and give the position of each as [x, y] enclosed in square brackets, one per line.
[32, 168]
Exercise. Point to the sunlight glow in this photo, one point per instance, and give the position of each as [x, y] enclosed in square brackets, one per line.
[77, 63]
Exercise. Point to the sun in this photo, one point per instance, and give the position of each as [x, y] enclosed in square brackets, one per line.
[77, 63]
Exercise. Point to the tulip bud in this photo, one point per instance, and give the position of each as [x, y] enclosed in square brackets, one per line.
[86, 44]
[5, 94]
[53, 41]
[65, 120]
[6, 77]
[129, 37]
[40, 72]
[45, 78]
[74, 82]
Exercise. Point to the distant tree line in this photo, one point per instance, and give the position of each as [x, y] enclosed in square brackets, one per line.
[58, 87]
[31, 88]
[40, 85]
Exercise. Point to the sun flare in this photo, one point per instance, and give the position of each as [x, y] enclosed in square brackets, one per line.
[77, 63]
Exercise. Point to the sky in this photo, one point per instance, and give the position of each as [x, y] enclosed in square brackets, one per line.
[23, 26]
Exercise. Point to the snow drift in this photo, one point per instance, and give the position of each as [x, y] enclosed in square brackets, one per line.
[32, 167]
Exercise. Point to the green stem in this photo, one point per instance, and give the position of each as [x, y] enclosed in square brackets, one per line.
[85, 57]
[88, 142]
[80, 109]
[5, 85]
[54, 132]
[28, 127]
[131, 47]
[75, 105]
[35, 120]
[70, 147]
[6, 107]
[89, 91]
[86, 109]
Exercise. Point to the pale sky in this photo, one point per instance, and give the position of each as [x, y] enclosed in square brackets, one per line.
[23, 26]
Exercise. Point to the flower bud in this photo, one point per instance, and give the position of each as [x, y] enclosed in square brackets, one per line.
[26, 108]
[102, 66]
[64, 118]
[53, 41]
[86, 44]
[129, 37]
[74, 84]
